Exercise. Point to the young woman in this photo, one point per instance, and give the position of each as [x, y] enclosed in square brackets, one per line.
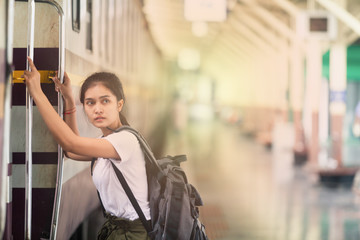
[103, 99]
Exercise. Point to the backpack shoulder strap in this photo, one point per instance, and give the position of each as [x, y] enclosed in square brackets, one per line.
[91, 169]
[144, 146]
[131, 197]
[92, 165]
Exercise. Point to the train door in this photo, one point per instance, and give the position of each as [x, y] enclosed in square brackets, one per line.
[36, 158]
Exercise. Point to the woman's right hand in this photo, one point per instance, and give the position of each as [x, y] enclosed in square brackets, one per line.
[65, 87]
[32, 79]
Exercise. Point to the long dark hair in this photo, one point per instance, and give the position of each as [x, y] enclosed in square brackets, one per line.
[108, 80]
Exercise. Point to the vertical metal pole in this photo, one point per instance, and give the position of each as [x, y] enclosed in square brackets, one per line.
[61, 73]
[3, 167]
[56, 208]
[29, 119]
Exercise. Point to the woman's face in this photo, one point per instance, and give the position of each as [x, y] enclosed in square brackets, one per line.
[102, 108]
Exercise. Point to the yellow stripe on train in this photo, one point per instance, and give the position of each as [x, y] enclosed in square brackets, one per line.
[45, 76]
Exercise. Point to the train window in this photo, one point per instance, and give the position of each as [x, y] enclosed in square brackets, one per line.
[75, 15]
[100, 33]
[108, 8]
[89, 42]
[112, 23]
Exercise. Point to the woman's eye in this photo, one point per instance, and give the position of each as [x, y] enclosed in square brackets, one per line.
[89, 103]
[106, 101]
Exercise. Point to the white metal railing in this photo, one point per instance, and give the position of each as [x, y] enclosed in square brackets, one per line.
[29, 120]
[29, 117]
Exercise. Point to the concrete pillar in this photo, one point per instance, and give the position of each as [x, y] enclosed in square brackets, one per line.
[282, 80]
[313, 80]
[296, 96]
[337, 98]
[338, 67]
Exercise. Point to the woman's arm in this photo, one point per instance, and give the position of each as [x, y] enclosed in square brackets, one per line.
[63, 134]
[77, 157]
[70, 106]
[69, 111]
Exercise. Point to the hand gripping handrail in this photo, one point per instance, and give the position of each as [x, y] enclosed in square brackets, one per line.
[29, 119]
[59, 177]
[5, 194]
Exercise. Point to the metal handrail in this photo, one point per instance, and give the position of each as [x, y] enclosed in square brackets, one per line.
[61, 72]
[29, 120]
[5, 194]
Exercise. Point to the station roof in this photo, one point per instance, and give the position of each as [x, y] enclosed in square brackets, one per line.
[251, 28]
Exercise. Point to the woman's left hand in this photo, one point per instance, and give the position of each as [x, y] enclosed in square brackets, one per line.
[65, 87]
[32, 79]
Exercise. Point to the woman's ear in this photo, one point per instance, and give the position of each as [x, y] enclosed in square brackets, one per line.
[120, 104]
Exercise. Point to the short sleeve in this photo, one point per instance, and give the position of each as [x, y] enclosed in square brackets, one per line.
[124, 143]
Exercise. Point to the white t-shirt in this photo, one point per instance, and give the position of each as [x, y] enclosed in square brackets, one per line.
[132, 166]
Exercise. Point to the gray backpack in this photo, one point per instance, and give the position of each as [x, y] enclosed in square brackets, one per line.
[173, 201]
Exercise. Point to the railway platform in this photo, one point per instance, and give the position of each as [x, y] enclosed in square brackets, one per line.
[252, 192]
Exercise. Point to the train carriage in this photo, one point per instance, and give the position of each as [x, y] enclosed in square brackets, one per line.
[97, 36]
